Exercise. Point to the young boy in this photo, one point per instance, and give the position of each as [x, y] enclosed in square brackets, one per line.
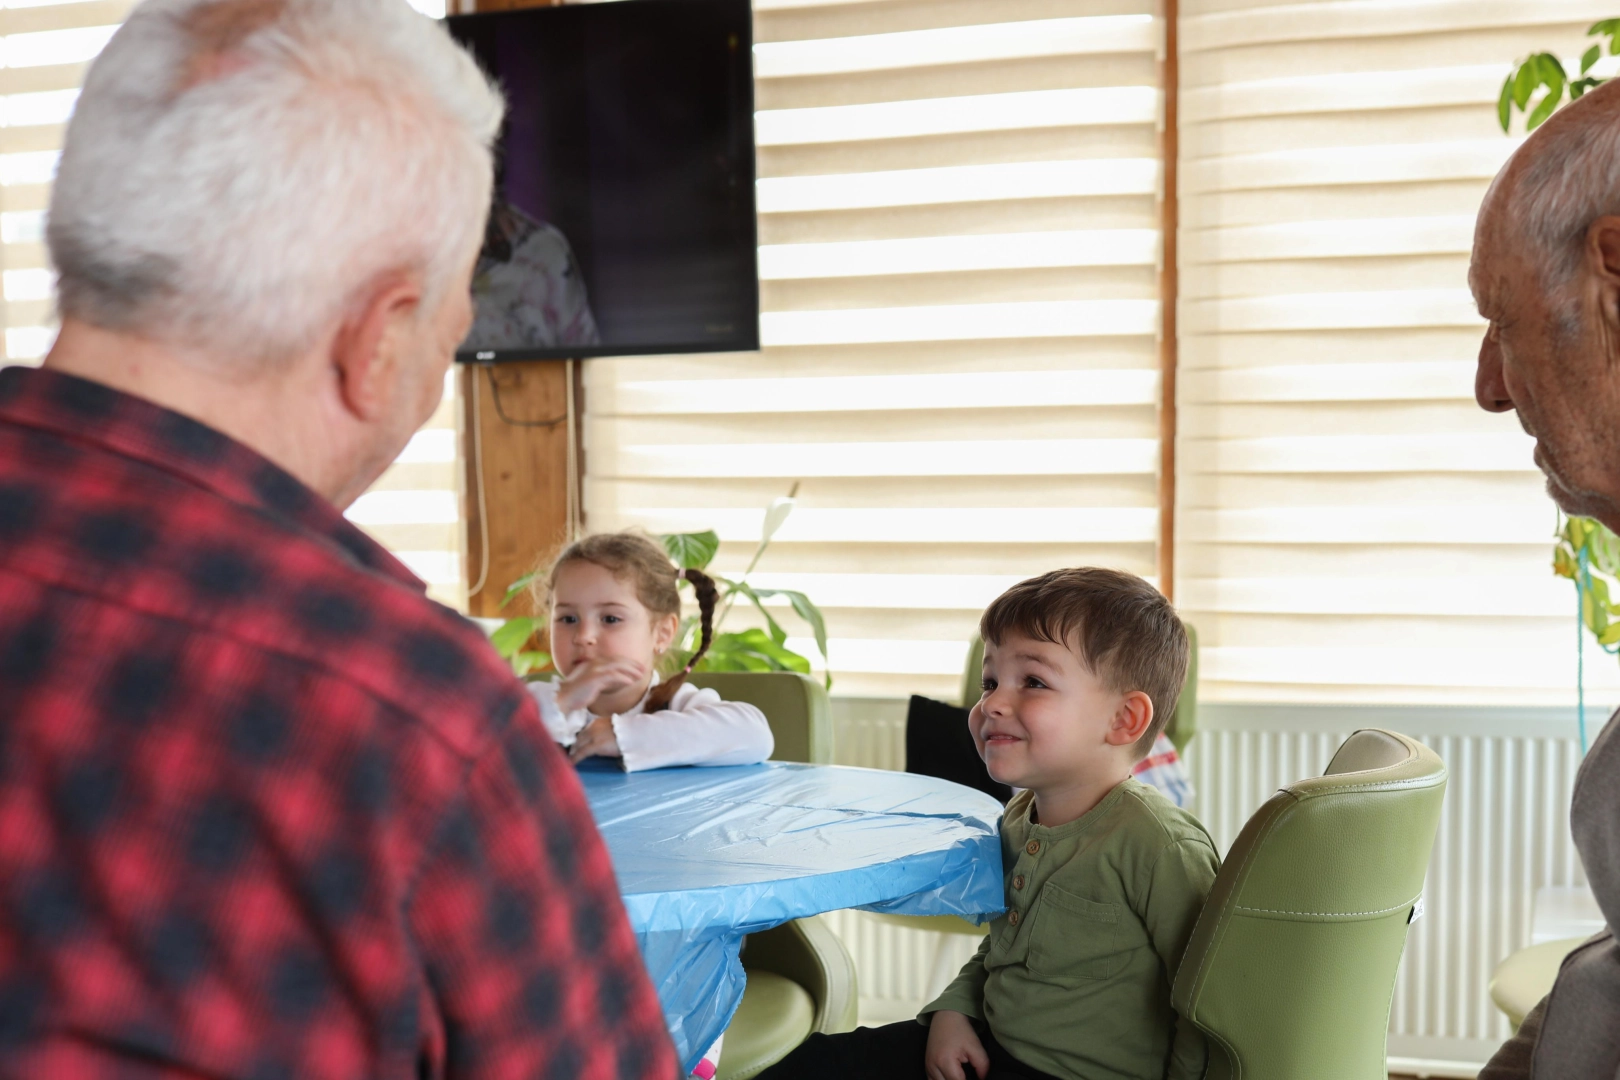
[1104, 876]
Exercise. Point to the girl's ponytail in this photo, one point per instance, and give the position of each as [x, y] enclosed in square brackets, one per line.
[707, 597]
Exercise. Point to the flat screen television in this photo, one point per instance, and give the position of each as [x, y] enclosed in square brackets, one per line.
[623, 216]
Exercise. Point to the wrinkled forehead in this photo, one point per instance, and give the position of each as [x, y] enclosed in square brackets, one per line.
[1493, 237]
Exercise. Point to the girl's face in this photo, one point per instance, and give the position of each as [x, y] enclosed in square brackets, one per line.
[597, 616]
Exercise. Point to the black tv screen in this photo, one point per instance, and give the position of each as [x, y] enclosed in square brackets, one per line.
[623, 216]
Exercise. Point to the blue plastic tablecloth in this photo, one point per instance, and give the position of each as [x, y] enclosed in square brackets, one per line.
[706, 855]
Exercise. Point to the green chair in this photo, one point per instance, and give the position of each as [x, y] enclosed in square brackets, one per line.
[794, 705]
[800, 977]
[1291, 965]
[1520, 982]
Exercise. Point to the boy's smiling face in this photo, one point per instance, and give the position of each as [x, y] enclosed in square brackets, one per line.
[1047, 722]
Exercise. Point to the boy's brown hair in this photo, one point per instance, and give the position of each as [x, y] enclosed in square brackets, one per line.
[1121, 628]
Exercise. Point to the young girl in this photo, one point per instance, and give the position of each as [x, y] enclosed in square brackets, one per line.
[614, 611]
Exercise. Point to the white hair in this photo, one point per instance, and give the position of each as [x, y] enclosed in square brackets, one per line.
[237, 172]
[1571, 180]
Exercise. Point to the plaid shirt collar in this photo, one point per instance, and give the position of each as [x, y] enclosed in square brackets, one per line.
[93, 414]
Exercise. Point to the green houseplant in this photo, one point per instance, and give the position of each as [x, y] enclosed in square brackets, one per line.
[754, 649]
[1544, 70]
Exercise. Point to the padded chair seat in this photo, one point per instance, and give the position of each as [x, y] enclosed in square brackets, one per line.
[775, 1016]
[1520, 982]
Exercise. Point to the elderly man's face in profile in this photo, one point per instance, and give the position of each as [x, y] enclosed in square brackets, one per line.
[1550, 353]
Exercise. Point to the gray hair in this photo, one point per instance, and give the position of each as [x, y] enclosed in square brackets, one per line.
[1572, 179]
[237, 171]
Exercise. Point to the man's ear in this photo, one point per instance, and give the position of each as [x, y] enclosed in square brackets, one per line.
[1131, 719]
[367, 351]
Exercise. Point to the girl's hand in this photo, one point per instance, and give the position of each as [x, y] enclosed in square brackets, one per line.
[952, 1043]
[596, 739]
[581, 687]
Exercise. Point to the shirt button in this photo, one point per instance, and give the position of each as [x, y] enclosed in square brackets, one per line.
[1033, 846]
[1018, 882]
[1012, 918]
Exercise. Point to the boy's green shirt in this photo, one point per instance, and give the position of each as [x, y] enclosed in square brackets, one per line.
[1074, 978]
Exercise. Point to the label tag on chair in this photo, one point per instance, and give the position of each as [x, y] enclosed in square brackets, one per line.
[1417, 912]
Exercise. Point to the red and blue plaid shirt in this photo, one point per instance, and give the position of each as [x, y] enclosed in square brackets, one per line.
[265, 810]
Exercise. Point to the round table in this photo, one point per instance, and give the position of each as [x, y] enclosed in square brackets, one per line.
[707, 855]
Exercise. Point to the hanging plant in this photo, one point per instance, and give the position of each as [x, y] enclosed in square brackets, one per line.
[1545, 71]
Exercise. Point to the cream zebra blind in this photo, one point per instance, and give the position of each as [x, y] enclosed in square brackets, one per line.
[1351, 527]
[958, 209]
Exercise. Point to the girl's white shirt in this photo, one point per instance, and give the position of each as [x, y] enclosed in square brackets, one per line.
[698, 728]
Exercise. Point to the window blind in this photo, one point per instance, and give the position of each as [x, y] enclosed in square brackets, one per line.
[958, 223]
[45, 49]
[1351, 527]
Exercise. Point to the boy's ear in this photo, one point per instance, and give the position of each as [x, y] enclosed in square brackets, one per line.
[1131, 720]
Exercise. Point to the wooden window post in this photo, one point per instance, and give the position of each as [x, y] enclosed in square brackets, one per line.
[1169, 220]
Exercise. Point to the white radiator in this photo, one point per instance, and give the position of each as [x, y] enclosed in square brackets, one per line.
[1504, 832]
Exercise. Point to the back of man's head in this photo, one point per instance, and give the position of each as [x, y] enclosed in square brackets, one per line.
[237, 171]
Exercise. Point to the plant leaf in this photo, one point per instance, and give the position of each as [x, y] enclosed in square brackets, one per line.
[1524, 83]
[1550, 70]
[1611, 635]
[1563, 562]
[1590, 57]
[1603, 550]
[691, 551]
[807, 611]
[1609, 28]
[1504, 104]
[510, 637]
[775, 515]
[518, 586]
[1544, 110]
[1577, 530]
[530, 661]
[778, 634]
[754, 647]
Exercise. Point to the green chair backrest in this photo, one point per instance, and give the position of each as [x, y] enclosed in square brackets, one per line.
[1291, 965]
[1183, 721]
[794, 705]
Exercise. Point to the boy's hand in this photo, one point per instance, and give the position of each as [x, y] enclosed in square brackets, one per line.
[952, 1043]
[595, 739]
[590, 680]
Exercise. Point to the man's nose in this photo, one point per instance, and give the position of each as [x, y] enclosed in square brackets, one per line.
[1489, 388]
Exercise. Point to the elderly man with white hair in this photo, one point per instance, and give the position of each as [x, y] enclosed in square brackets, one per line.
[265, 810]
[1546, 276]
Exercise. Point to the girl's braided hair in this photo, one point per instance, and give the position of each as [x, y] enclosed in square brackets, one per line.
[641, 560]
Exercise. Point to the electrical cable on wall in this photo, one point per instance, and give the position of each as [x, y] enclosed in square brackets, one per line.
[483, 510]
[573, 510]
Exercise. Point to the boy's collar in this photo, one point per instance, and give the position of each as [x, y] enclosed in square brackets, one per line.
[1086, 820]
